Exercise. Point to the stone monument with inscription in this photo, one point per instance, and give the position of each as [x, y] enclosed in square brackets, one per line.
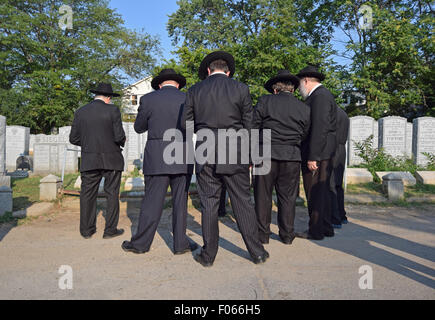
[361, 127]
[49, 155]
[2, 145]
[392, 135]
[409, 132]
[133, 146]
[4, 180]
[423, 139]
[17, 144]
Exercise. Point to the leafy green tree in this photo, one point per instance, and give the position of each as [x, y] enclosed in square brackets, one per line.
[264, 36]
[46, 71]
[392, 60]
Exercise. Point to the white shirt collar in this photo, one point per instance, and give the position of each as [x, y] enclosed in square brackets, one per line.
[218, 72]
[100, 99]
[314, 89]
[169, 85]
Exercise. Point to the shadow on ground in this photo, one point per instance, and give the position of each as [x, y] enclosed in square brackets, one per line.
[193, 227]
[380, 248]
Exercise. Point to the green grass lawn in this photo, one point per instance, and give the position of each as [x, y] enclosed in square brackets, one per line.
[69, 180]
[367, 188]
[419, 190]
[25, 192]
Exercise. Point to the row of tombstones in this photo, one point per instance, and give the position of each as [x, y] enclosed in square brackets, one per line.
[53, 153]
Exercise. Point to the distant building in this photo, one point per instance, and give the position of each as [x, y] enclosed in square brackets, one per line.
[133, 93]
[354, 98]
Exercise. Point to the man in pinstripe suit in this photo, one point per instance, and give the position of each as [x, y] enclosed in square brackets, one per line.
[219, 102]
[158, 112]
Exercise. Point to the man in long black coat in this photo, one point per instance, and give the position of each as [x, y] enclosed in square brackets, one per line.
[338, 214]
[97, 128]
[289, 122]
[219, 102]
[159, 112]
[317, 152]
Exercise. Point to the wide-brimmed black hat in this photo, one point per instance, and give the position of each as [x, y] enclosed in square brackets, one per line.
[217, 55]
[311, 72]
[168, 74]
[282, 76]
[105, 89]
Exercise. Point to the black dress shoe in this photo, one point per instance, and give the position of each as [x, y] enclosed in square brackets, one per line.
[200, 259]
[287, 240]
[89, 235]
[113, 235]
[329, 234]
[192, 247]
[128, 247]
[307, 235]
[262, 258]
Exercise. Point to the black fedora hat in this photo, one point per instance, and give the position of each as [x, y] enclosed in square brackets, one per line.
[311, 72]
[168, 74]
[105, 89]
[217, 55]
[283, 75]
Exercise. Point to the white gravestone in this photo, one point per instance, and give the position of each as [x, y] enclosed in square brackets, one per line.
[6, 202]
[2, 145]
[17, 144]
[49, 155]
[423, 139]
[361, 127]
[132, 153]
[408, 149]
[392, 135]
[134, 145]
[376, 135]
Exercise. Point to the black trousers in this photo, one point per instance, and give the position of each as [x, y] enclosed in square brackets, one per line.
[88, 200]
[238, 186]
[284, 176]
[223, 202]
[338, 212]
[156, 188]
[319, 199]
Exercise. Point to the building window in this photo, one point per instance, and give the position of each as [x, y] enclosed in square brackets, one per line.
[134, 100]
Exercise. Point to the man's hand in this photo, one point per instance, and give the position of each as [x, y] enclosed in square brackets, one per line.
[312, 165]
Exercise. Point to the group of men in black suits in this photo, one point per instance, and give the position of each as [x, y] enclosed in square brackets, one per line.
[308, 135]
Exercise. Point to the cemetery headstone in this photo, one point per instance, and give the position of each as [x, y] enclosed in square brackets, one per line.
[49, 155]
[423, 139]
[392, 135]
[17, 144]
[4, 180]
[408, 149]
[2, 145]
[5, 200]
[361, 127]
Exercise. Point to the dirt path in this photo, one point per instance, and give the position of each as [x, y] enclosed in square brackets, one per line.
[397, 243]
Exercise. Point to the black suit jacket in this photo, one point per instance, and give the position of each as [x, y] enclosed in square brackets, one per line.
[288, 119]
[159, 111]
[220, 102]
[322, 140]
[97, 128]
[343, 124]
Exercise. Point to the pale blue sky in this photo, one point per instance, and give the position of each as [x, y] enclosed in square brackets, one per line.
[152, 16]
[149, 15]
